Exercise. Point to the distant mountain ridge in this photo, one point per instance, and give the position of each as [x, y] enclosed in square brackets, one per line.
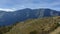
[8, 18]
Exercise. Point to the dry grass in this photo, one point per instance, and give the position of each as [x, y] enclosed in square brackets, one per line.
[56, 31]
[35, 26]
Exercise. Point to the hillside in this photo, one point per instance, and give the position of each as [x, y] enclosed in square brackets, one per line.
[9, 18]
[56, 31]
[36, 26]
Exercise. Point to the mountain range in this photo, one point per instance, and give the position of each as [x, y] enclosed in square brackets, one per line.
[9, 18]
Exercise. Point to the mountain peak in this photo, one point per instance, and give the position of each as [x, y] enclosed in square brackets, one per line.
[27, 9]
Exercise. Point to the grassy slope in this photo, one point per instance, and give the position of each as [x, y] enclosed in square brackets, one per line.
[4, 29]
[40, 26]
[56, 31]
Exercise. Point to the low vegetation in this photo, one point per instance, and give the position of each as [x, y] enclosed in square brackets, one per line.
[34, 26]
[4, 29]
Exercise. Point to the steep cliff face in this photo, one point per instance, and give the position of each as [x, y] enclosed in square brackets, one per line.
[36, 26]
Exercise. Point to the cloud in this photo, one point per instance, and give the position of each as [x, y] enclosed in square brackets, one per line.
[20, 4]
[38, 4]
[6, 9]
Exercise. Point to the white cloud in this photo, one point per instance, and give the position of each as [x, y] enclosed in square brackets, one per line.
[20, 4]
[6, 9]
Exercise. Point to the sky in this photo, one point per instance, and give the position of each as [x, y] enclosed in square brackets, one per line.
[11, 5]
